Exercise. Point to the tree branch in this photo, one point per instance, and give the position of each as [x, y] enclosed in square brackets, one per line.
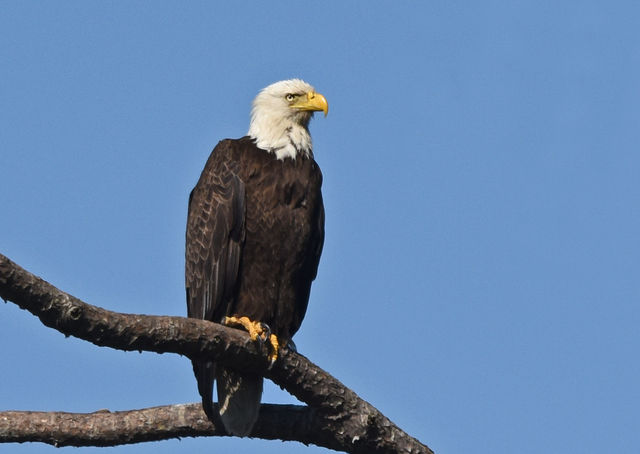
[336, 417]
[105, 428]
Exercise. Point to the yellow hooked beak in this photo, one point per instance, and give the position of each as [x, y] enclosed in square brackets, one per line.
[312, 101]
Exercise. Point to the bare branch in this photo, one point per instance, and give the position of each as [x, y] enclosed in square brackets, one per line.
[105, 428]
[341, 419]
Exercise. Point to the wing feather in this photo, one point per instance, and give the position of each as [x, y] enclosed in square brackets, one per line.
[215, 234]
[214, 240]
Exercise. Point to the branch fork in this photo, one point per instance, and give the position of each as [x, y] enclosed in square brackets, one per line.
[335, 417]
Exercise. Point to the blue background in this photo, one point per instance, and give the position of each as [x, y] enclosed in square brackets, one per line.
[480, 278]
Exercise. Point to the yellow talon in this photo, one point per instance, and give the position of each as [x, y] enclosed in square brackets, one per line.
[256, 330]
[275, 345]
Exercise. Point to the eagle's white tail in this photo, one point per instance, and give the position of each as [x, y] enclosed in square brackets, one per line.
[238, 400]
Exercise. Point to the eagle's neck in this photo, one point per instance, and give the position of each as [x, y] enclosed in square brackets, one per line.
[285, 137]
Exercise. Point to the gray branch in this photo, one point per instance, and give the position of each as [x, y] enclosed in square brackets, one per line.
[105, 428]
[335, 418]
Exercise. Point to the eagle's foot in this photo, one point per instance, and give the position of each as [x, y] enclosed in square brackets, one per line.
[257, 331]
[275, 345]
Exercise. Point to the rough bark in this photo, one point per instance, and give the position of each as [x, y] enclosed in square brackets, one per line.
[336, 417]
[105, 428]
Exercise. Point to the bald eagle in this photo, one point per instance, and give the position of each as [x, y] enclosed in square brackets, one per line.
[255, 231]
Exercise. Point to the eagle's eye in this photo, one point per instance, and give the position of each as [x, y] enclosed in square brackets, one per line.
[290, 97]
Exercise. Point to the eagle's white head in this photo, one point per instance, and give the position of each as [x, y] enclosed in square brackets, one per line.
[280, 117]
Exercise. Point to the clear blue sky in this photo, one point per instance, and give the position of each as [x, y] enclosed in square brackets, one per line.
[480, 278]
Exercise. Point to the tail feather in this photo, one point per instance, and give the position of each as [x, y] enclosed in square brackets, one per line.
[239, 400]
[205, 372]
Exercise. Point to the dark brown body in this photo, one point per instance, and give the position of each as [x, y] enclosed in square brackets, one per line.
[254, 236]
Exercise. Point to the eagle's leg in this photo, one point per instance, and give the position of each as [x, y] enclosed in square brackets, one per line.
[257, 330]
